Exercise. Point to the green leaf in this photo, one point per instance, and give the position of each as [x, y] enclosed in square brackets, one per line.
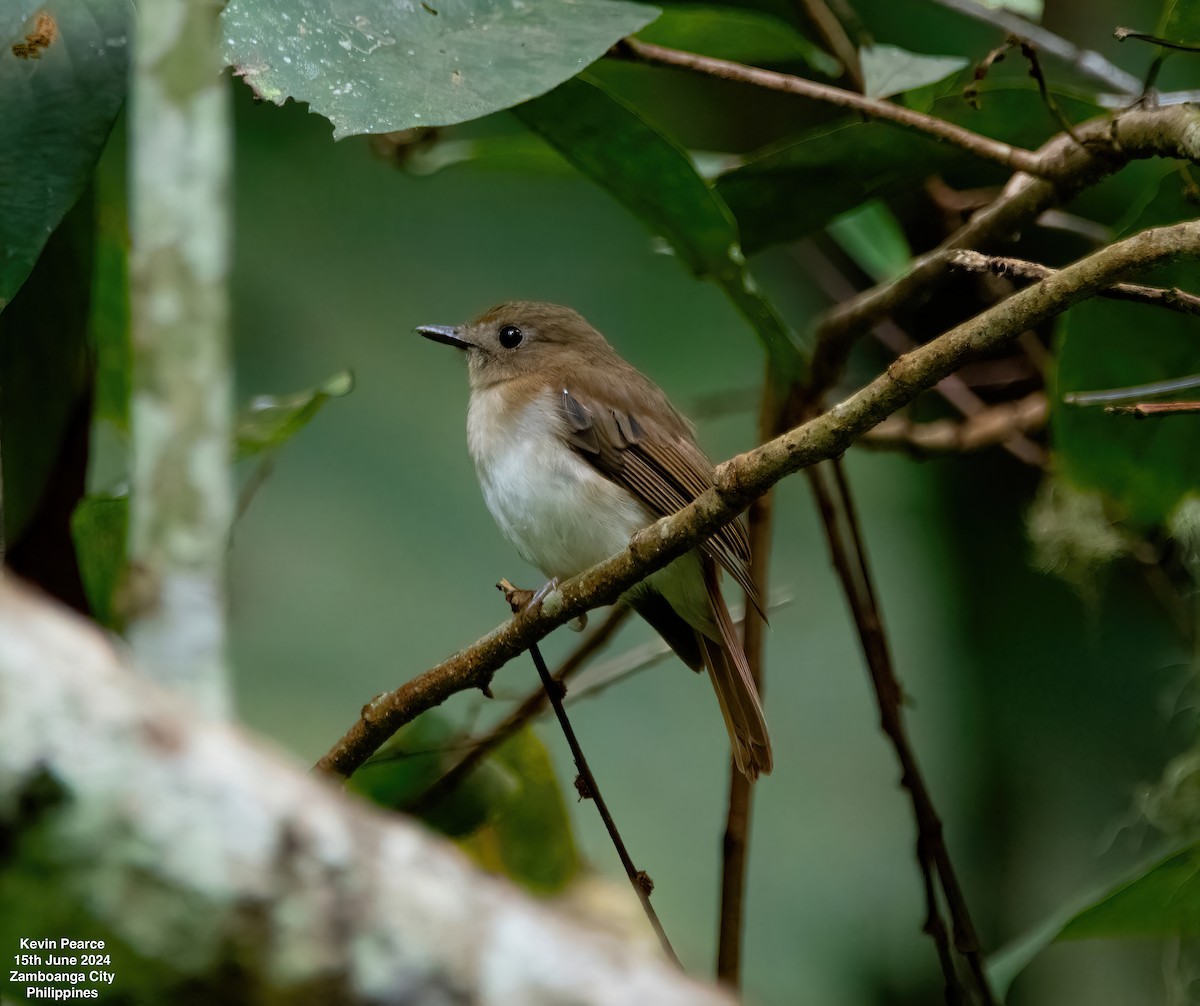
[407, 765]
[872, 236]
[1162, 899]
[837, 167]
[46, 378]
[108, 325]
[1180, 21]
[100, 528]
[373, 66]
[609, 142]
[533, 829]
[744, 36]
[270, 421]
[62, 80]
[508, 813]
[889, 70]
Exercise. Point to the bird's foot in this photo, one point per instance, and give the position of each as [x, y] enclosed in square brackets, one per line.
[519, 600]
[516, 597]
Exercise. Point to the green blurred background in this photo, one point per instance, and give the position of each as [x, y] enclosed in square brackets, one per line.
[368, 555]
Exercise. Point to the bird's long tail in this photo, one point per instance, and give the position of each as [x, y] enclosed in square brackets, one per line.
[736, 692]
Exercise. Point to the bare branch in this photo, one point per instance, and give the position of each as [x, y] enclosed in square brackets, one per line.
[849, 562]
[590, 789]
[250, 880]
[834, 35]
[995, 425]
[1014, 158]
[1085, 61]
[1146, 410]
[1121, 34]
[735, 845]
[744, 478]
[952, 388]
[1106, 144]
[1015, 268]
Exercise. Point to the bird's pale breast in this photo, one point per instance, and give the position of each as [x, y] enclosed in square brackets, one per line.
[558, 512]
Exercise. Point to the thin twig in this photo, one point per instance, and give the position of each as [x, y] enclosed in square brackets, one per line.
[1014, 158]
[859, 596]
[1146, 410]
[1116, 396]
[1107, 144]
[555, 690]
[1015, 268]
[929, 825]
[1121, 34]
[834, 35]
[530, 708]
[735, 846]
[1029, 51]
[1085, 61]
[742, 479]
[828, 361]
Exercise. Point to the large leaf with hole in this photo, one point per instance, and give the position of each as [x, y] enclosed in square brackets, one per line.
[63, 69]
[373, 66]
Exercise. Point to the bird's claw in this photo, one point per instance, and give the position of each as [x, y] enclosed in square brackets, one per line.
[519, 599]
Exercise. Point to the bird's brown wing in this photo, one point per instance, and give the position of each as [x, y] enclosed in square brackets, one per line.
[656, 461]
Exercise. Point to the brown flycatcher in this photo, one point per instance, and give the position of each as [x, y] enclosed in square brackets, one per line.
[576, 451]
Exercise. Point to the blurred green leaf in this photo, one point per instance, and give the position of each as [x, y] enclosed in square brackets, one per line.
[838, 167]
[46, 378]
[610, 143]
[533, 833]
[62, 81]
[108, 325]
[1180, 21]
[508, 813]
[374, 66]
[872, 236]
[100, 528]
[269, 421]
[1162, 899]
[889, 70]
[744, 36]
[414, 759]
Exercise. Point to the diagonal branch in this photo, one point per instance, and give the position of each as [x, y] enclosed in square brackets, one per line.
[744, 478]
[1014, 158]
[1015, 268]
[1105, 145]
[226, 874]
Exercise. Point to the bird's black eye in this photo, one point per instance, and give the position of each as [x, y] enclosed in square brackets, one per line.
[510, 336]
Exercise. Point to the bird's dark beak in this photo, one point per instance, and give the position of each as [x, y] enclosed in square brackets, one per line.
[447, 334]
